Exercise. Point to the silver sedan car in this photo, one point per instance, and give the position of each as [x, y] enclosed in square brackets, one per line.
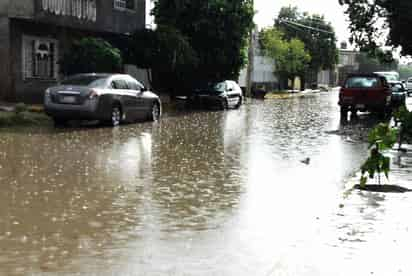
[110, 98]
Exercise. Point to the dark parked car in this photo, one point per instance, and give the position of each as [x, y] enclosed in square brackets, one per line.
[224, 95]
[111, 98]
[365, 92]
[398, 94]
[409, 86]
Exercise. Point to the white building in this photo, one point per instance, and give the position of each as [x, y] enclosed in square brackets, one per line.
[262, 74]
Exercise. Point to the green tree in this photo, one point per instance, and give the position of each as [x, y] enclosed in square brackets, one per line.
[291, 58]
[166, 52]
[317, 35]
[217, 30]
[91, 55]
[375, 23]
[371, 63]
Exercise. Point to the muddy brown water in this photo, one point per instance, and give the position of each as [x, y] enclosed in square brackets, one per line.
[200, 193]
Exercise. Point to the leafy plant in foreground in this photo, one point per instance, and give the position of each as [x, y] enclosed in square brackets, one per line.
[381, 138]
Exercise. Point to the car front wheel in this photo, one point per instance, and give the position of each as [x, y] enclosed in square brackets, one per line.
[239, 103]
[343, 111]
[155, 113]
[116, 116]
[224, 104]
[58, 122]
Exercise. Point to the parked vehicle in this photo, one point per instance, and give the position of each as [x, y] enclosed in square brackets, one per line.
[365, 92]
[398, 97]
[389, 75]
[409, 86]
[224, 95]
[111, 98]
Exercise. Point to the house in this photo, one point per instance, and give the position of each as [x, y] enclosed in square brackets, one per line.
[34, 34]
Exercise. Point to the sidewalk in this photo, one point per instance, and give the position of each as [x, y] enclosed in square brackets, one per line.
[294, 93]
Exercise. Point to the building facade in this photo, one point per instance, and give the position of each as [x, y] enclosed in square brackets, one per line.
[35, 34]
[348, 64]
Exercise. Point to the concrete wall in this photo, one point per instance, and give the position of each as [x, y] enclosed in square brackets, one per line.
[5, 82]
[4, 7]
[21, 8]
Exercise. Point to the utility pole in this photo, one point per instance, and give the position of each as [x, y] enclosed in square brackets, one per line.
[250, 67]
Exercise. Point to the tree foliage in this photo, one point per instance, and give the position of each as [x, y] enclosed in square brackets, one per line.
[371, 63]
[217, 30]
[91, 55]
[375, 23]
[317, 35]
[291, 58]
[166, 51]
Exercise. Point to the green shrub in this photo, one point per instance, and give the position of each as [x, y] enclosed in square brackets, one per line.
[23, 118]
[91, 55]
[20, 107]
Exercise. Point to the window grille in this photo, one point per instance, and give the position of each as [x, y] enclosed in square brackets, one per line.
[39, 58]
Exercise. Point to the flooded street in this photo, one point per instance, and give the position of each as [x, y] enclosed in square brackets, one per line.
[200, 193]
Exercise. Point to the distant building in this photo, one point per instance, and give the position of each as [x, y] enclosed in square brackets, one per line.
[348, 64]
[34, 34]
[262, 75]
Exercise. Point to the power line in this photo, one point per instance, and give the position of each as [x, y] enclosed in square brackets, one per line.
[305, 26]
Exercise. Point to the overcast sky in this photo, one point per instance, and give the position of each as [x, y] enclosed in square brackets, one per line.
[267, 10]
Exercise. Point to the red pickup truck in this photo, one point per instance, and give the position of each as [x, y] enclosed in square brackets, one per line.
[365, 92]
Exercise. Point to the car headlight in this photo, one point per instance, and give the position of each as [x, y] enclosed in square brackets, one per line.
[47, 94]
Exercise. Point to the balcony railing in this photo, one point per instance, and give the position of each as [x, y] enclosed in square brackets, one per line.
[81, 9]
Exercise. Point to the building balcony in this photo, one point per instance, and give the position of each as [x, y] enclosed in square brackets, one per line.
[115, 16]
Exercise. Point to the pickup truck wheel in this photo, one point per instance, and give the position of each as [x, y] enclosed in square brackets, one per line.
[344, 111]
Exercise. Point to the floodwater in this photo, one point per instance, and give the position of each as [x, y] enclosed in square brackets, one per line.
[200, 193]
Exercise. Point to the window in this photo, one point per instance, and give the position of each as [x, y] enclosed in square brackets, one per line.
[85, 80]
[119, 84]
[134, 85]
[124, 4]
[39, 58]
[362, 82]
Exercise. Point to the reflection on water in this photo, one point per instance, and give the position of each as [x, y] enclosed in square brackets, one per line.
[201, 193]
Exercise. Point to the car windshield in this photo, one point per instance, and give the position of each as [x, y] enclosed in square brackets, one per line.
[212, 87]
[362, 82]
[90, 81]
